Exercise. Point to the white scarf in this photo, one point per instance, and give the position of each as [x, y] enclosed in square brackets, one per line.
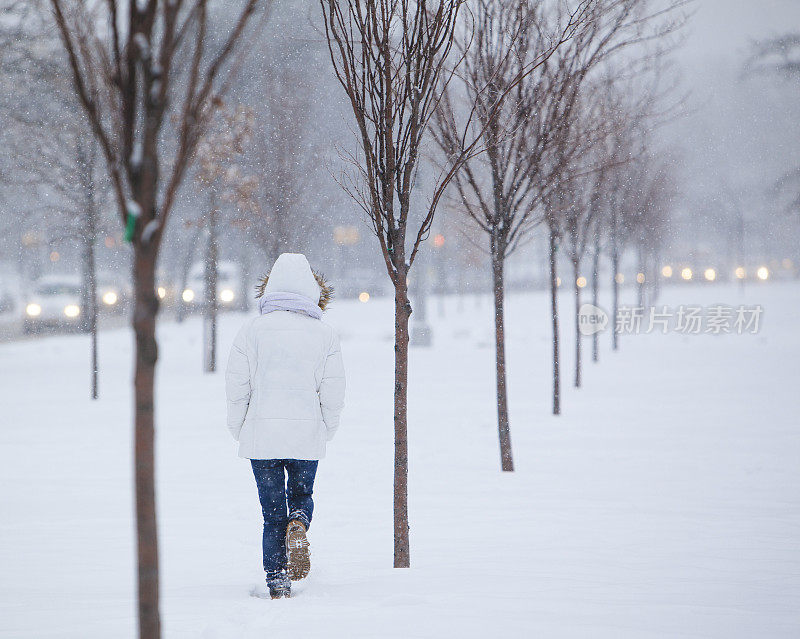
[292, 302]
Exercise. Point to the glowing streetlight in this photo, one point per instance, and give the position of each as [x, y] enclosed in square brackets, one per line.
[226, 295]
[710, 274]
[188, 295]
[686, 273]
[363, 297]
[110, 298]
[762, 273]
[640, 278]
[666, 271]
[581, 281]
[34, 310]
[620, 278]
[740, 273]
[161, 292]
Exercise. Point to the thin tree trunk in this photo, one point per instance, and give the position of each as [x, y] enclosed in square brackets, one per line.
[614, 281]
[575, 268]
[503, 429]
[89, 303]
[643, 271]
[615, 294]
[210, 286]
[92, 271]
[656, 288]
[595, 294]
[402, 312]
[244, 274]
[93, 319]
[89, 236]
[441, 279]
[144, 326]
[554, 314]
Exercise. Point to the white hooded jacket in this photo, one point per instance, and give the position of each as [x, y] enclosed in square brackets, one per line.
[285, 378]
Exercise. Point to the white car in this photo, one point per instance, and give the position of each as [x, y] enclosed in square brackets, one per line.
[229, 286]
[54, 303]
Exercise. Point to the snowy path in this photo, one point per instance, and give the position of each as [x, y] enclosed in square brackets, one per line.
[665, 502]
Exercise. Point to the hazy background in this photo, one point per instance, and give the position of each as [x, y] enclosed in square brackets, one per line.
[740, 131]
[731, 139]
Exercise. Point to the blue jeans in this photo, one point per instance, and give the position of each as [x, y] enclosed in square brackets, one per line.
[276, 491]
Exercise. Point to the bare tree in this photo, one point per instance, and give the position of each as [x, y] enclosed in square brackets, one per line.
[612, 154]
[579, 222]
[614, 27]
[126, 73]
[497, 188]
[62, 157]
[54, 153]
[595, 122]
[391, 58]
[223, 180]
[646, 197]
[633, 168]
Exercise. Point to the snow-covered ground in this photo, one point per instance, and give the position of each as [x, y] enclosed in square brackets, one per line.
[665, 501]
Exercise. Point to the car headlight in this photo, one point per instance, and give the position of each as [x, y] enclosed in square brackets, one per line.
[72, 310]
[33, 310]
[110, 298]
[188, 295]
[226, 295]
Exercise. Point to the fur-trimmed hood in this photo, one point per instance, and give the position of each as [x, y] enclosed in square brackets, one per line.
[292, 273]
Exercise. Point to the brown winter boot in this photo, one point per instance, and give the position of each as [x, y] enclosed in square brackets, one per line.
[279, 586]
[297, 551]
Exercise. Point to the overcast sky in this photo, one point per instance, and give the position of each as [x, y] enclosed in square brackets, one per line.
[740, 132]
[721, 30]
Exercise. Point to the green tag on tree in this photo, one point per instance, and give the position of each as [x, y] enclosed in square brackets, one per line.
[134, 212]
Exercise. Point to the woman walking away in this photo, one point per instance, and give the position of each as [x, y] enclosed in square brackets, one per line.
[285, 387]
